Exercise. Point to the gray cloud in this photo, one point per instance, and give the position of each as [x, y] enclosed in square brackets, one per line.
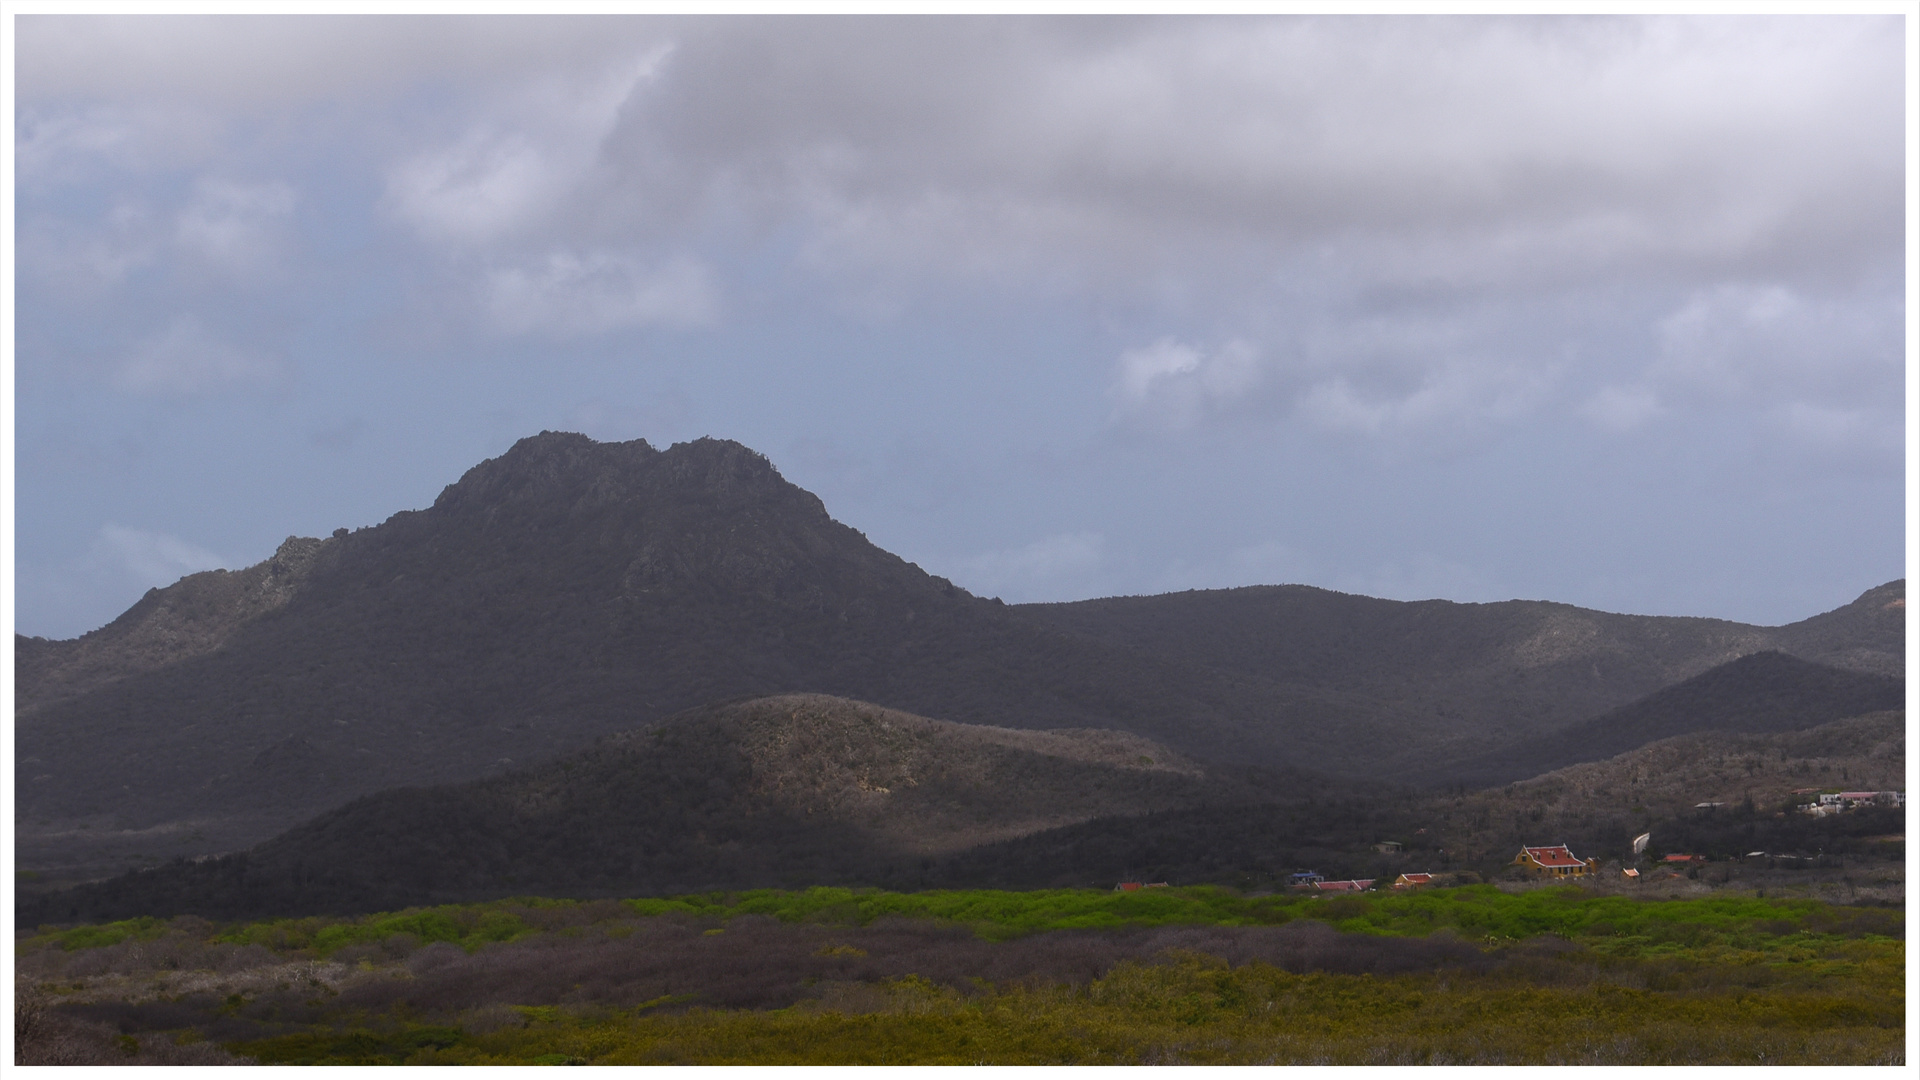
[1161, 236]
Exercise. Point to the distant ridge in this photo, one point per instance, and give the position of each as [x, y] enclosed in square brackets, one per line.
[1762, 693]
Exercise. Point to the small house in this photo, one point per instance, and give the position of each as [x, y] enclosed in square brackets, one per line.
[1128, 886]
[1630, 873]
[1684, 859]
[1412, 881]
[1847, 800]
[1301, 879]
[1388, 847]
[1555, 861]
[1356, 885]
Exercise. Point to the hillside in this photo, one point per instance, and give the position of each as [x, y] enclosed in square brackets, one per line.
[1477, 675]
[571, 589]
[1761, 693]
[803, 790]
[193, 617]
[1599, 806]
[1867, 635]
[1596, 807]
[790, 790]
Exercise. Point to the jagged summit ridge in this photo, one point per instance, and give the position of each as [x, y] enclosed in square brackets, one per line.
[558, 467]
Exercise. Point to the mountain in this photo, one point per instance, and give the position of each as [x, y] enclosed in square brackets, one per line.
[1760, 693]
[561, 592]
[1477, 676]
[789, 790]
[571, 589]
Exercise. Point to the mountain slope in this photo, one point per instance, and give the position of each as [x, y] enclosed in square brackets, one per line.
[795, 789]
[1867, 635]
[1478, 673]
[193, 617]
[1757, 694]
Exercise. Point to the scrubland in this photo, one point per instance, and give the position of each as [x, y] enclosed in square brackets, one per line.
[1468, 975]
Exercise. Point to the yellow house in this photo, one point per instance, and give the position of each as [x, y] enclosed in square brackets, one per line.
[1554, 861]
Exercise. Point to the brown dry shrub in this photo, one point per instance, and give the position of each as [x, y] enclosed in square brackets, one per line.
[757, 962]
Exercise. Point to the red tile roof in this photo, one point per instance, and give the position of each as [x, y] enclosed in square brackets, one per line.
[1558, 855]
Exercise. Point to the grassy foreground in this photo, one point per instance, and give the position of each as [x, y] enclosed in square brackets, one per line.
[1201, 975]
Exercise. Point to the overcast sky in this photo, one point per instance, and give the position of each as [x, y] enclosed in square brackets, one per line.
[1600, 310]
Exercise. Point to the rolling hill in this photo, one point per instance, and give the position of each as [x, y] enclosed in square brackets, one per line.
[1761, 693]
[789, 790]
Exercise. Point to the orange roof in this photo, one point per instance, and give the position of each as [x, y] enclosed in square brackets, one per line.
[1558, 855]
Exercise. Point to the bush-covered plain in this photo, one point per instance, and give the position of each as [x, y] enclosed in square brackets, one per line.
[835, 975]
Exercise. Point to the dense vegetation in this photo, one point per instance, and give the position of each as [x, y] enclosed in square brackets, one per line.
[1471, 975]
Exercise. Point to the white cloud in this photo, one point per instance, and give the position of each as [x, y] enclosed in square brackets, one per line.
[1815, 370]
[1172, 385]
[234, 226]
[486, 184]
[151, 558]
[185, 358]
[513, 170]
[1450, 396]
[85, 257]
[568, 295]
[62, 143]
[1736, 341]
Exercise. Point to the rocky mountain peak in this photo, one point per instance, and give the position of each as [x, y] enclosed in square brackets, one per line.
[557, 469]
[541, 466]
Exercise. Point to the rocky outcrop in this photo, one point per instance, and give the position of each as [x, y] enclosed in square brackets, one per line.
[194, 616]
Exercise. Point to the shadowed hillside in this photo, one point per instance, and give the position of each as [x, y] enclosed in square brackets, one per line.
[1761, 693]
[1476, 675]
[794, 790]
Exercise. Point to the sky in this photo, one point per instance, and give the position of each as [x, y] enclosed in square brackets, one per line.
[1601, 310]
